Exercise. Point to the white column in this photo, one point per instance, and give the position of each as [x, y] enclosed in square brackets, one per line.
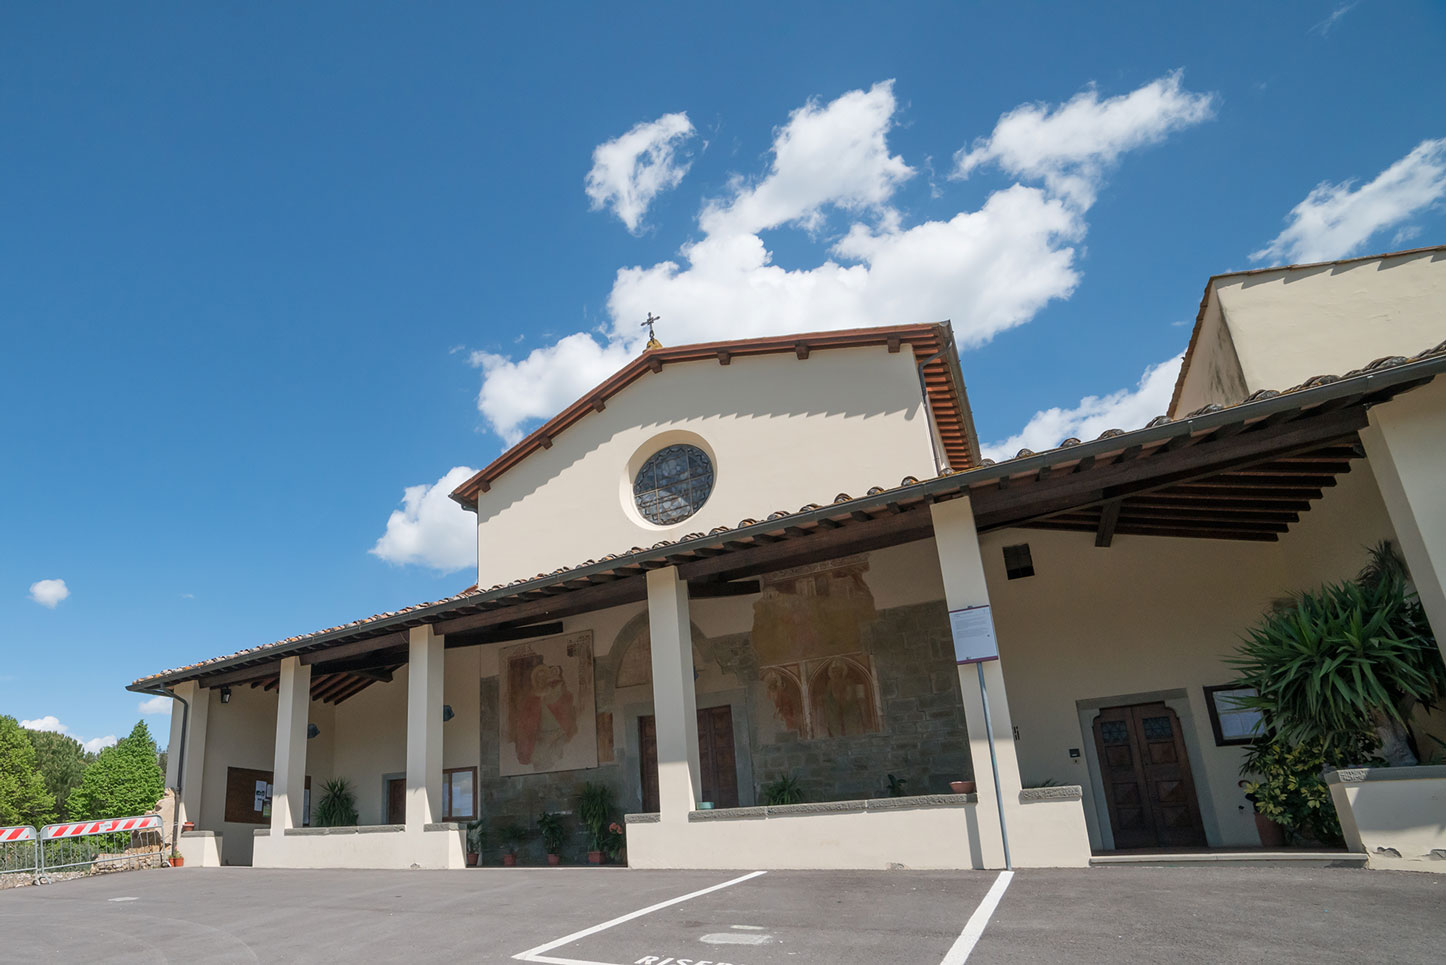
[288, 778]
[957, 543]
[675, 705]
[425, 663]
[188, 763]
[1406, 447]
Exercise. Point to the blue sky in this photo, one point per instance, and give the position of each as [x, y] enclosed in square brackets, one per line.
[266, 268]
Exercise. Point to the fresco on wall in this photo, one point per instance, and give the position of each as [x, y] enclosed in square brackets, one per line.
[814, 611]
[549, 722]
[635, 666]
[842, 697]
[785, 694]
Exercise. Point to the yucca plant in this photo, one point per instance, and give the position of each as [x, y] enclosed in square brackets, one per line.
[785, 790]
[1346, 661]
[337, 807]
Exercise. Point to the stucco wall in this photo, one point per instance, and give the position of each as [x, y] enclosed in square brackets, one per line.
[1154, 618]
[1214, 376]
[1289, 326]
[782, 432]
[241, 733]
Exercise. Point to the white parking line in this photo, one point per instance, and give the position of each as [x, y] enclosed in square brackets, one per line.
[536, 954]
[958, 953]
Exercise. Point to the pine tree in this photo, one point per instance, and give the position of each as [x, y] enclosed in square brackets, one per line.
[23, 797]
[61, 762]
[124, 780]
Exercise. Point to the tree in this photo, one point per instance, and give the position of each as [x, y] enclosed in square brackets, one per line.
[124, 780]
[23, 797]
[61, 761]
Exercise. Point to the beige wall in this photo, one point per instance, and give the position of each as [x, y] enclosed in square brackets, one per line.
[241, 733]
[1283, 327]
[1214, 376]
[782, 432]
[1395, 816]
[1154, 618]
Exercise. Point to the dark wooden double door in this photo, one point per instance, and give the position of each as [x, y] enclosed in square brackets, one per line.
[1146, 772]
[716, 760]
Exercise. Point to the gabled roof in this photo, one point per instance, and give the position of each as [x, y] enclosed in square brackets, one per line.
[1210, 287]
[932, 345]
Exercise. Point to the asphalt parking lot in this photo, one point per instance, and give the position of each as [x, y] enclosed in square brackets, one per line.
[618, 917]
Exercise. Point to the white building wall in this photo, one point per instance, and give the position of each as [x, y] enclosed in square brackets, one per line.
[1284, 326]
[782, 432]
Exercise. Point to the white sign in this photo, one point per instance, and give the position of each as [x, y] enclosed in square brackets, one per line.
[973, 630]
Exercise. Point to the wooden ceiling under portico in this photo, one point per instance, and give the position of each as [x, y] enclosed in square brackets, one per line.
[1245, 472]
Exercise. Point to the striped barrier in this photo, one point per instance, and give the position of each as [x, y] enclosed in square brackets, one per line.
[19, 852]
[113, 844]
[78, 829]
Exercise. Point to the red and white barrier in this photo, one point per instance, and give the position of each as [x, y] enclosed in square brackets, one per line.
[79, 829]
[8, 835]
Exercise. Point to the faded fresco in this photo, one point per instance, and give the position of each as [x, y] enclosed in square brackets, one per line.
[549, 720]
[813, 611]
[843, 700]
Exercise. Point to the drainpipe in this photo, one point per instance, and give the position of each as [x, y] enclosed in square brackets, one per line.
[180, 761]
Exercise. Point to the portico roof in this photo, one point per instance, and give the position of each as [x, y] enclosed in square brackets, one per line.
[1239, 472]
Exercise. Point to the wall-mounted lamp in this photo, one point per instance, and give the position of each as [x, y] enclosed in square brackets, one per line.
[447, 713]
[225, 695]
[312, 731]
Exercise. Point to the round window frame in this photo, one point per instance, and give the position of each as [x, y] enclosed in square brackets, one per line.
[640, 458]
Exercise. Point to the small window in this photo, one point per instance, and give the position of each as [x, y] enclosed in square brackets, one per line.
[459, 794]
[1017, 562]
[1233, 721]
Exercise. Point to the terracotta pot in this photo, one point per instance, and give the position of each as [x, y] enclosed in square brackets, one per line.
[962, 787]
[594, 857]
[472, 858]
[188, 826]
[509, 860]
[1271, 834]
[554, 859]
[177, 861]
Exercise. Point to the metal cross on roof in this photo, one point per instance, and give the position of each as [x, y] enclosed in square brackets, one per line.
[652, 339]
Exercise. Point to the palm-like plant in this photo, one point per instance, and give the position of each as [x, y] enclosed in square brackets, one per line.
[1345, 660]
[337, 807]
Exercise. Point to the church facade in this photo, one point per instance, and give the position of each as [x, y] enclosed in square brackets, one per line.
[769, 595]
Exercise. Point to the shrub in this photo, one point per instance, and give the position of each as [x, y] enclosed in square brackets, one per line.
[337, 807]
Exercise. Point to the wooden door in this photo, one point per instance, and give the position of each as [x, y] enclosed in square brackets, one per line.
[648, 762]
[718, 764]
[397, 800]
[715, 756]
[1148, 787]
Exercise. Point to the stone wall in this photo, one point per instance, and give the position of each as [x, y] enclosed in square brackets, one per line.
[921, 739]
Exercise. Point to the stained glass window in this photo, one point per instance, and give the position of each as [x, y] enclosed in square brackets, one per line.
[673, 484]
[1158, 729]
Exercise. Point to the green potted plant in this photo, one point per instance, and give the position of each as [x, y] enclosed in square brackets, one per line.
[513, 835]
[337, 807]
[476, 841]
[549, 826]
[785, 790]
[595, 806]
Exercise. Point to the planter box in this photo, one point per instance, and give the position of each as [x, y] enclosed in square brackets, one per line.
[1395, 816]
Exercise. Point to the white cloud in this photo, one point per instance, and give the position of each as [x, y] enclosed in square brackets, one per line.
[836, 155]
[97, 744]
[156, 705]
[49, 593]
[1335, 17]
[1123, 409]
[52, 723]
[1070, 146]
[631, 170]
[987, 269]
[430, 528]
[1336, 220]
